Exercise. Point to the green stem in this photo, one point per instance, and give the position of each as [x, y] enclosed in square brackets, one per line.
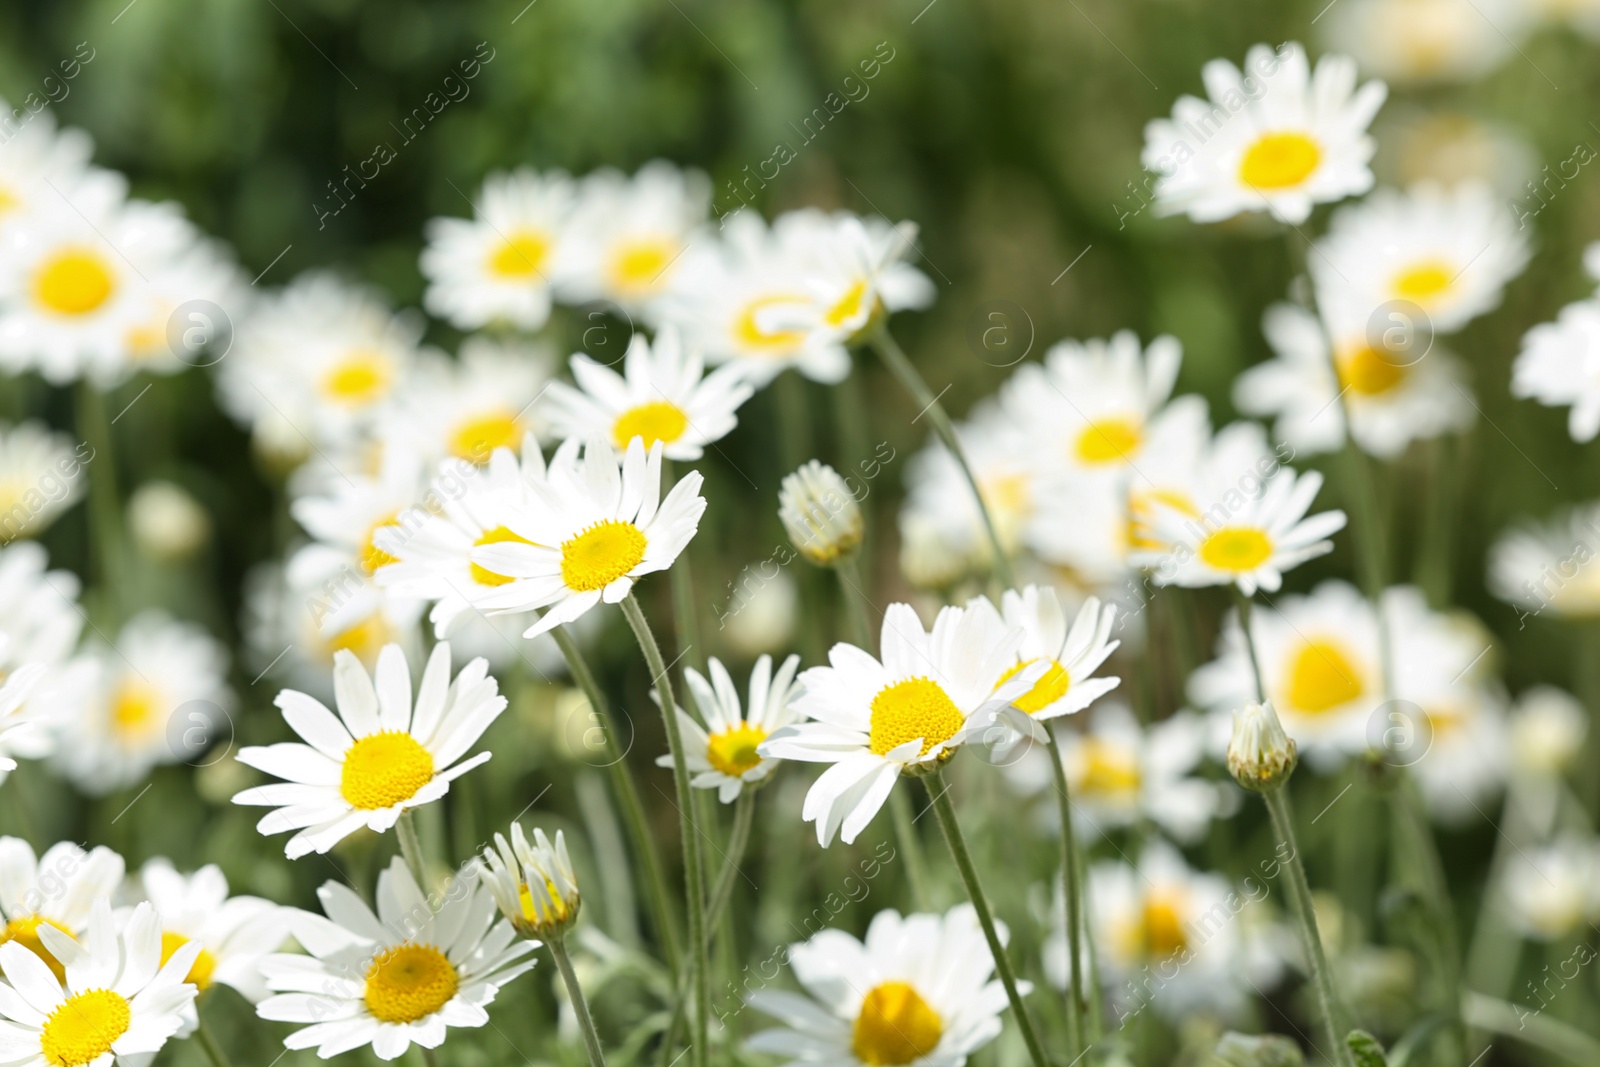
[105, 508]
[580, 1005]
[411, 848]
[686, 621]
[644, 842]
[209, 1043]
[744, 812]
[1305, 915]
[693, 852]
[1078, 1006]
[946, 813]
[1531, 1026]
[905, 832]
[855, 596]
[1243, 603]
[884, 344]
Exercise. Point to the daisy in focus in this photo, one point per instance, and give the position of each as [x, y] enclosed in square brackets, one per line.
[401, 975]
[379, 756]
[593, 531]
[1275, 137]
[660, 396]
[915, 993]
[40, 477]
[234, 933]
[56, 890]
[1070, 657]
[723, 754]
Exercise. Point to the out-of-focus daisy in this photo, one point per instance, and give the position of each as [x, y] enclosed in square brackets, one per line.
[660, 396]
[627, 236]
[1549, 893]
[15, 688]
[1548, 728]
[533, 885]
[821, 515]
[41, 475]
[39, 625]
[916, 993]
[1070, 656]
[1417, 41]
[165, 342]
[1559, 365]
[855, 270]
[56, 890]
[166, 521]
[593, 531]
[118, 1002]
[1550, 566]
[149, 701]
[402, 974]
[1452, 146]
[379, 756]
[723, 753]
[467, 409]
[37, 156]
[1393, 397]
[234, 933]
[1275, 137]
[940, 518]
[904, 713]
[498, 265]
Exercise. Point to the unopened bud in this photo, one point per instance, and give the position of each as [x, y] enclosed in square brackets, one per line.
[1261, 756]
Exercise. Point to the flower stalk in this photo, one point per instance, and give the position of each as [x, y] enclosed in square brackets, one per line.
[580, 1004]
[1079, 1006]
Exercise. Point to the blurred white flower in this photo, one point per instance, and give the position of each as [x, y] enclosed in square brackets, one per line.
[1420, 41]
[1559, 365]
[1549, 566]
[166, 522]
[41, 475]
[1548, 728]
[820, 514]
[1553, 891]
[469, 407]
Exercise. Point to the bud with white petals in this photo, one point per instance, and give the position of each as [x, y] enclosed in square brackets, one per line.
[533, 885]
[820, 514]
[1261, 756]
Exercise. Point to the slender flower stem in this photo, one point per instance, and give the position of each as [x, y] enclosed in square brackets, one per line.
[209, 1043]
[744, 812]
[908, 844]
[411, 847]
[105, 508]
[855, 596]
[644, 842]
[1078, 1005]
[1334, 1026]
[1243, 603]
[685, 618]
[580, 1005]
[884, 344]
[693, 852]
[939, 794]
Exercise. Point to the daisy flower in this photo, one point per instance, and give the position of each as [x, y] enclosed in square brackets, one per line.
[1276, 137]
[470, 407]
[1548, 728]
[15, 688]
[1070, 656]
[906, 713]
[821, 515]
[1549, 892]
[118, 1002]
[1559, 365]
[1549, 566]
[1425, 41]
[404, 974]
[723, 754]
[916, 992]
[234, 933]
[203, 269]
[534, 886]
[39, 625]
[593, 531]
[660, 396]
[496, 267]
[855, 270]
[940, 514]
[379, 755]
[38, 155]
[40, 477]
[141, 704]
[54, 890]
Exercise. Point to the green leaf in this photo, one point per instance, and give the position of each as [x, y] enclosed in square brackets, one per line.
[1365, 1048]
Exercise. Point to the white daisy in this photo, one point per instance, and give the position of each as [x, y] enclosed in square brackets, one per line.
[660, 396]
[234, 933]
[1070, 657]
[39, 613]
[855, 270]
[593, 530]
[497, 266]
[917, 993]
[1550, 566]
[906, 713]
[403, 974]
[37, 156]
[723, 754]
[41, 475]
[1559, 365]
[118, 1002]
[1548, 728]
[15, 725]
[1549, 893]
[56, 890]
[470, 407]
[162, 342]
[379, 756]
[1422, 41]
[1276, 137]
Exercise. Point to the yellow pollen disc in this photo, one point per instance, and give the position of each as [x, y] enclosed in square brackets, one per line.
[1051, 687]
[1424, 280]
[1443, 721]
[905, 711]
[409, 982]
[73, 281]
[381, 770]
[1236, 548]
[497, 536]
[1107, 769]
[200, 973]
[520, 256]
[847, 306]
[365, 639]
[1110, 440]
[558, 906]
[84, 1028]
[9, 201]
[361, 377]
[733, 751]
[637, 266]
[1007, 493]
[134, 707]
[654, 420]
[1163, 933]
[476, 438]
[1279, 161]
[749, 332]
[895, 1027]
[601, 554]
[24, 930]
[1321, 678]
[1369, 372]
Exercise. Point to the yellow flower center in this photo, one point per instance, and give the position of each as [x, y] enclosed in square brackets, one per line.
[84, 1027]
[637, 266]
[1109, 440]
[383, 769]
[654, 420]
[905, 711]
[365, 639]
[895, 1027]
[733, 751]
[1321, 678]
[361, 377]
[476, 438]
[751, 334]
[497, 536]
[520, 255]
[847, 306]
[1107, 769]
[371, 556]
[24, 930]
[73, 281]
[9, 201]
[601, 554]
[1279, 161]
[1143, 509]
[409, 982]
[134, 707]
[1162, 935]
[205, 964]
[1369, 372]
[1236, 548]
[1424, 280]
[1051, 686]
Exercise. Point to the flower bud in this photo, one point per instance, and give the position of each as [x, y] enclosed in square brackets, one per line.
[820, 514]
[167, 523]
[1261, 756]
[533, 885]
